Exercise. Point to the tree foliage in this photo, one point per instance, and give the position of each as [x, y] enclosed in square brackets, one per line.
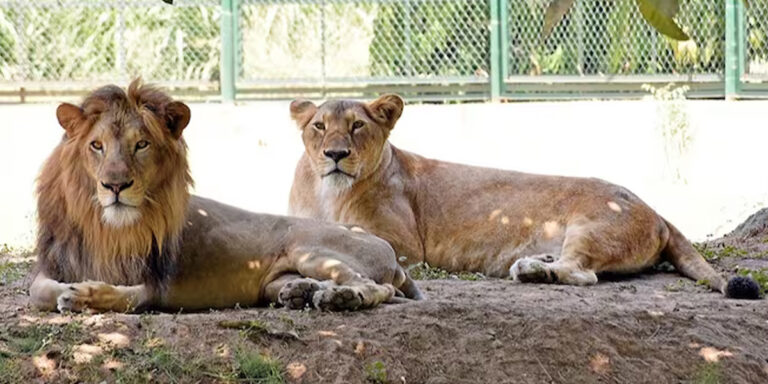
[658, 13]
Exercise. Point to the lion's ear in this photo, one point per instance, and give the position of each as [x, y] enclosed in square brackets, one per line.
[302, 110]
[387, 109]
[69, 116]
[177, 116]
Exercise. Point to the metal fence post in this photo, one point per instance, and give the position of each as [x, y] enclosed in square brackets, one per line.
[503, 62]
[497, 78]
[734, 47]
[229, 31]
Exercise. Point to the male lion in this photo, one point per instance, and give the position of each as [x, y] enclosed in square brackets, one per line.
[119, 231]
[533, 228]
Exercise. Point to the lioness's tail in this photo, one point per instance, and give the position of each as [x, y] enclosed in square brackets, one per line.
[681, 253]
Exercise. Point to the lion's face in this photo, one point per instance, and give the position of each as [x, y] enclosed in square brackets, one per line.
[126, 151]
[344, 139]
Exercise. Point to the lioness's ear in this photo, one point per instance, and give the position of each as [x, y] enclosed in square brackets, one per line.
[177, 116]
[302, 110]
[69, 116]
[387, 109]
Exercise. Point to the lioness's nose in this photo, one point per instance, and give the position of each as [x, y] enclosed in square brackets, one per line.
[117, 188]
[336, 154]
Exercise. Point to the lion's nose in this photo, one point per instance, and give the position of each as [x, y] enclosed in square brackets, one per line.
[117, 188]
[336, 154]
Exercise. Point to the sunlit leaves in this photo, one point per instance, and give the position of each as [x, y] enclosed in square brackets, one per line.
[660, 14]
[555, 12]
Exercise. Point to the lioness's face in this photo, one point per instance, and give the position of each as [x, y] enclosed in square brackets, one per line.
[123, 151]
[344, 139]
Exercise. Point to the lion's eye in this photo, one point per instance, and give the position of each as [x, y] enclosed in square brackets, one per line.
[319, 126]
[96, 146]
[142, 144]
[357, 125]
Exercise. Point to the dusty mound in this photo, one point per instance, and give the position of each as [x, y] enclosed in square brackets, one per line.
[756, 226]
[649, 329]
[750, 235]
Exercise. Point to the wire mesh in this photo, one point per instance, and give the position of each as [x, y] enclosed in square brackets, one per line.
[331, 40]
[610, 37]
[109, 40]
[363, 42]
[756, 20]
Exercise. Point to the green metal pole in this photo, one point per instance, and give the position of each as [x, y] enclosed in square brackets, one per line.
[734, 47]
[237, 40]
[497, 79]
[503, 45]
[741, 26]
[228, 36]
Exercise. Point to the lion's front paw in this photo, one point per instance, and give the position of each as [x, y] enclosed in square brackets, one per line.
[298, 293]
[339, 298]
[91, 296]
[529, 270]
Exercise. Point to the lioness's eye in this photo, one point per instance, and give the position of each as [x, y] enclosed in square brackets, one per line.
[320, 126]
[357, 125]
[142, 144]
[96, 146]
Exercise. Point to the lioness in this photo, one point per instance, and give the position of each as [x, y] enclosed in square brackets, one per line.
[119, 231]
[533, 228]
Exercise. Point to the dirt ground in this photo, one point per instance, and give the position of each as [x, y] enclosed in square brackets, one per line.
[651, 328]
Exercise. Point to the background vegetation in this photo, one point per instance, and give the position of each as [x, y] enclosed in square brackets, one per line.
[74, 40]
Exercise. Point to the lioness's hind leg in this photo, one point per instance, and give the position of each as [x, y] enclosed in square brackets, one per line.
[533, 270]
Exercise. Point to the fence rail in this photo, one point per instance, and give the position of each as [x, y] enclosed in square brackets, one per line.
[424, 49]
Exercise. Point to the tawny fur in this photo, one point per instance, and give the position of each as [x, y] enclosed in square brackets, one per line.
[124, 150]
[70, 219]
[535, 228]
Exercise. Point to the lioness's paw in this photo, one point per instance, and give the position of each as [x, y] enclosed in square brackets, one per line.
[339, 298]
[89, 296]
[298, 293]
[529, 270]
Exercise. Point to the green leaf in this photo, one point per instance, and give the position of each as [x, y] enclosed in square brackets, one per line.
[660, 14]
[555, 12]
[168, 2]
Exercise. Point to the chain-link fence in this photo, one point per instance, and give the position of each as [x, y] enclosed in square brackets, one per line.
[336, 40]
[757, 40]
[610, 37]
[333, 46]
[423, 48]
[69, 42]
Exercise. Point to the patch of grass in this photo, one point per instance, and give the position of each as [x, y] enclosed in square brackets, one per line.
[149, 360]
[12, 264]
[759, 275]
[714, 253]
[7, 250]
[11, 271]
[423, 271]
[677, 286]
[376, 372]
[36, 337]
[160, 363]
[254, 367]
[708, 373]
[10, 370]
[245, 325]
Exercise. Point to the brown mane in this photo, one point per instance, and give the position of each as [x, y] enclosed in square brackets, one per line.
[73, 243]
